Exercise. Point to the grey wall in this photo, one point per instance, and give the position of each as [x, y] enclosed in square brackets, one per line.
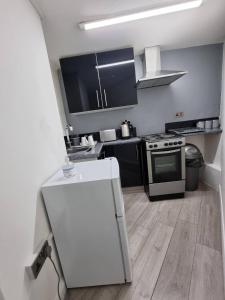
[197, 94]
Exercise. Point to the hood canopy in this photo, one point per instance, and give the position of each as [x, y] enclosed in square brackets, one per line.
[154, 76]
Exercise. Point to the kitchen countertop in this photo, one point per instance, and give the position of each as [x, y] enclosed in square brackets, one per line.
[95, 152]
[205, 131]
[123, 141]
[92, 154]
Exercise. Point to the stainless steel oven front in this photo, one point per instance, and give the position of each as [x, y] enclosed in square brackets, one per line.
[166, 171]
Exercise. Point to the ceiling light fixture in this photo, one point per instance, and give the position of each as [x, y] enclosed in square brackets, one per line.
[140, 15]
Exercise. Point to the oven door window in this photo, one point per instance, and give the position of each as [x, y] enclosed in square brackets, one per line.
[166, 166]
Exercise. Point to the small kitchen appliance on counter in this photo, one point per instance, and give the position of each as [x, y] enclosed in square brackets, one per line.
[126, 129]
[107, 135]
[164, 166]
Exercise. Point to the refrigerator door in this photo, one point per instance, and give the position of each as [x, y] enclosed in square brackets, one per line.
[125, 248]
[86, 232]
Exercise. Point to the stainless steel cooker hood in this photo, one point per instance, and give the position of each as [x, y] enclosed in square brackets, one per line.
[154, 76]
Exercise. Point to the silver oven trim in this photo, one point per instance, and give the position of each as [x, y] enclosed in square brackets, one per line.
[166, 188]
[166, 152]
[183, 167]
[149, 166]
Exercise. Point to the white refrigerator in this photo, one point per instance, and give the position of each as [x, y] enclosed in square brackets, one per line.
[86, 214]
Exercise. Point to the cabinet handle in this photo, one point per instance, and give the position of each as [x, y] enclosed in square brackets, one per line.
[106, 104]
[137, 154]
[97, 98]
[99, 81]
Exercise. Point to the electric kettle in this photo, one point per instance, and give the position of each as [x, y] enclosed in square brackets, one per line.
[126, 129]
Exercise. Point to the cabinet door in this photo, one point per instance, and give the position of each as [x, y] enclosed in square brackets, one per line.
[117, 76]
[130, 171]
[129, 161]
[107, 151]
[81, 83]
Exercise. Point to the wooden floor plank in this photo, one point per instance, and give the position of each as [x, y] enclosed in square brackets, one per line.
[191, 207]
[148, 264]
[146, 284]
[158, 237]
[82, 293]
[133, 189]
[94, 293]
[135, 211]
[207, 276]
[137, 238]
[209, 230]
[107, 293]
[175, 276]
[169, 211]
[129, 200]
[149, 217]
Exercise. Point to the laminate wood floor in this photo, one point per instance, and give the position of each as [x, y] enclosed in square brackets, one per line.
[175, 248]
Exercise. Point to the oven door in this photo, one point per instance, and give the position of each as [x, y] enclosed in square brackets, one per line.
[166, 165]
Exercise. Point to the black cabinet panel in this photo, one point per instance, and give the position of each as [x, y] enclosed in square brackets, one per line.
[115, 56]
[128, 159]
[81, 83]
[91, 85]
[118, 86]
[128, 156]
[118, 82]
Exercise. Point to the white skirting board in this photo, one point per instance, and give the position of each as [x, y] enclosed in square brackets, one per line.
[210, 175]
[222, 230]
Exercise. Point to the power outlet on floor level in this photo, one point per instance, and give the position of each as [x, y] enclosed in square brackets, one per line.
[38, 260]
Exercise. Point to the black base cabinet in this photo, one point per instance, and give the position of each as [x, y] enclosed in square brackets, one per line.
[128, 156]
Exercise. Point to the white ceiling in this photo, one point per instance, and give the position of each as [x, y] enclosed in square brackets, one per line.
[204, 25]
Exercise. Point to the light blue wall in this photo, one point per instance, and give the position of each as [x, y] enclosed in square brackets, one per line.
[197, 94]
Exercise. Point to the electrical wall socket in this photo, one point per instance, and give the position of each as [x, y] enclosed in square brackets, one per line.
[179, 114]
[37, 260]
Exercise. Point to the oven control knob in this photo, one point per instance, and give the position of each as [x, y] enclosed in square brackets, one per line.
[155, 145]
[150, 146]
[179, 142]
[175, 143]
[166, 144]
[170, 144]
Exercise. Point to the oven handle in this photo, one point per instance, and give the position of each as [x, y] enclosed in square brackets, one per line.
[166, 152]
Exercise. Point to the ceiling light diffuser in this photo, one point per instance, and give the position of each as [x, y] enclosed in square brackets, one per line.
[140, 15]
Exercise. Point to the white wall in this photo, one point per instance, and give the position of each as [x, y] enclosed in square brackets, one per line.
[222, 187]
[211, 172]
[31, 149]
[58, 91]
[223, 126]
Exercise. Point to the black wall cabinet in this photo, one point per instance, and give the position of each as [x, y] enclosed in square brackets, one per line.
[100, 80]
[128, 156]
